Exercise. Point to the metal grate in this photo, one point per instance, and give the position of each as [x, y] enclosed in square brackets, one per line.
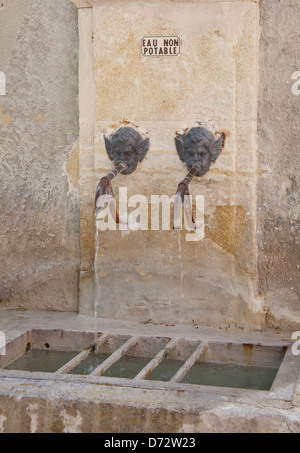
[105, 353]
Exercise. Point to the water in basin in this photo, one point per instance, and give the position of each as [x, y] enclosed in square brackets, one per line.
[165, 370]
[231, 375]
[127, 367]
[88, 365]
[42, 360]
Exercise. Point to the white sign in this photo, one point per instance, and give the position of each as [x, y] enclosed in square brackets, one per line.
[160, 46]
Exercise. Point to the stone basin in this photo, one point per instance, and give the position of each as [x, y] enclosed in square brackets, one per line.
[104, 401]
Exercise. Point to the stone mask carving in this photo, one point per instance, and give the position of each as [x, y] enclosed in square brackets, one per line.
[127, 145]
[198, 145]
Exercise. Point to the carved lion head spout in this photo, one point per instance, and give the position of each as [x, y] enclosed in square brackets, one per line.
[199, 145]
[127, 145]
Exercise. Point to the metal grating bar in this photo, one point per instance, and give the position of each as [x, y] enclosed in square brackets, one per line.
[102, 339]
[74, 362]
[114, 357]
[156, 360]
[190, 362]
[81, 356]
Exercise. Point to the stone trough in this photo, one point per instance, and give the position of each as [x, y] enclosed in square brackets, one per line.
[89, 389]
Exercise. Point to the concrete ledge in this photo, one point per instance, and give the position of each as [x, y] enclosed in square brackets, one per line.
[91, 3]
[38, 406]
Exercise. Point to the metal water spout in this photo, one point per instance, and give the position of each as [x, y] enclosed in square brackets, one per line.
[182, 196]
[198, 148]
[126, 148]
[105, 189]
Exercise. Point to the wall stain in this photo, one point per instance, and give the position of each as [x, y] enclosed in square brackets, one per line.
[248, 351]
[5, 120]
[226, 227]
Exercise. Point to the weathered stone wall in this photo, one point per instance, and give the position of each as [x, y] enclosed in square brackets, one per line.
[279, 180]
[39, 159]
[158, 275]
[39, 166]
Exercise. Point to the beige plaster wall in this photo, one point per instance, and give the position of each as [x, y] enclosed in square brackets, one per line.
[158, 275]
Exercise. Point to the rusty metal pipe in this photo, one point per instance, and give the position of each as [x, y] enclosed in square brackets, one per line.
[105, 183]
[183, 186]
[182, 190]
